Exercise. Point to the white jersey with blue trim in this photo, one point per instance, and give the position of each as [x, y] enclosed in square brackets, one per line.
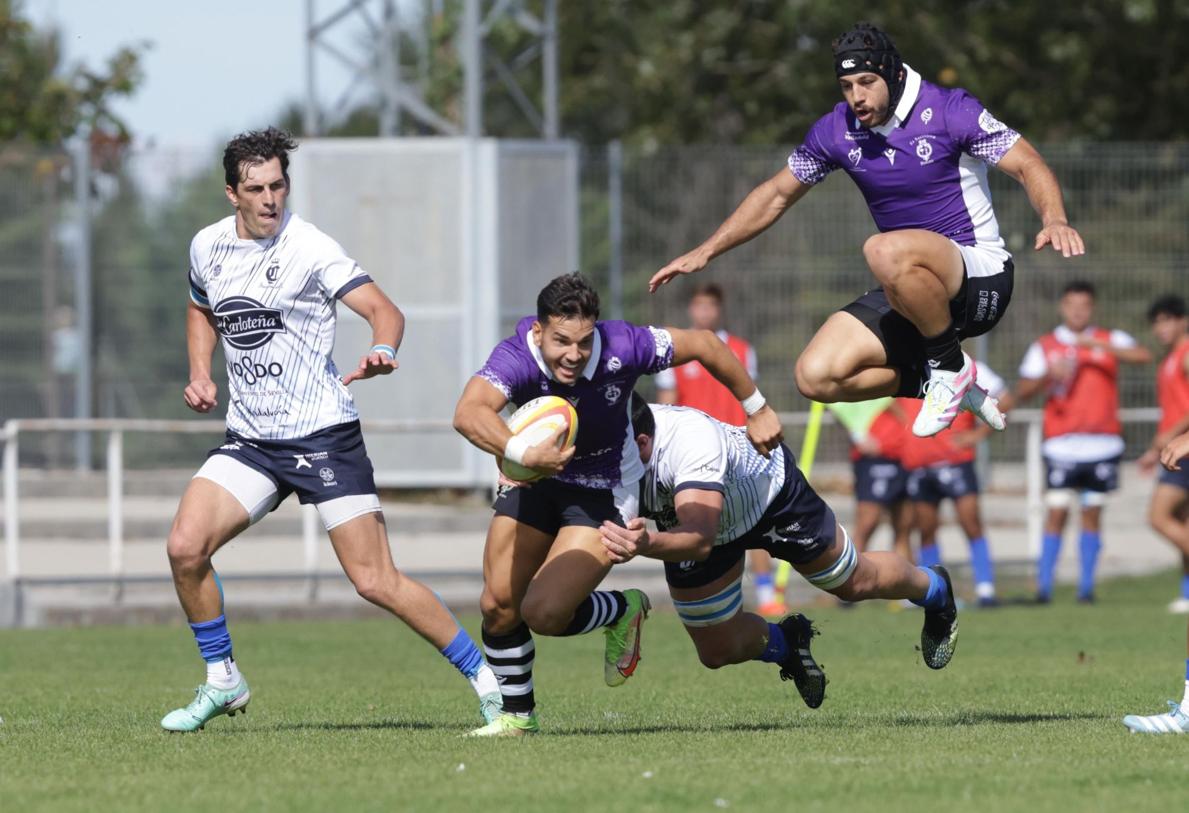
[273, 302]
[692, 450]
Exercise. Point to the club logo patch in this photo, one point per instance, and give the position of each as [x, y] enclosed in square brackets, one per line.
[927, 115]
[246, 323]
[855, 156]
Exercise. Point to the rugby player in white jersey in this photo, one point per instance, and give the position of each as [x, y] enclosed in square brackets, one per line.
[713, 498]
[918, 152]
[267, 283]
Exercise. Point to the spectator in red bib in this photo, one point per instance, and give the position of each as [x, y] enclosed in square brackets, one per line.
[1076, 366]
[689, 385]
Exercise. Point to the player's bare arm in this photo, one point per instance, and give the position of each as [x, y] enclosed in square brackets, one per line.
[762, 207]
[477, 418]
[1025, 164]
[388, 330]
[692, 539]
[1028, 388]
[201, 337]
[763, 426]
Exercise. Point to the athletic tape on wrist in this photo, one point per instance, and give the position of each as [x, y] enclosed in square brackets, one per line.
[384, 348]
[515, 449]
[753, 403]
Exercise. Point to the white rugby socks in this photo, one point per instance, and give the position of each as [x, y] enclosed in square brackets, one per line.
[223, 674]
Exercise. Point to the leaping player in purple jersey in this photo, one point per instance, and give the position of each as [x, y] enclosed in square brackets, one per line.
[918, 153]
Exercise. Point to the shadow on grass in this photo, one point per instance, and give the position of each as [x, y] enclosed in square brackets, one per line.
[326, 725]
[674, 728]
[985, 717]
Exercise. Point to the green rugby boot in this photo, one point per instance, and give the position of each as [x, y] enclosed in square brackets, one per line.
[208, 703]
[491, 706]
[622, 654]
[509, 725]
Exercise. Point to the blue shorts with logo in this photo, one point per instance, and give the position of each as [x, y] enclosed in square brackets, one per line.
[1179, 479]
[880, 480]
[550, 505]
[1095, 475]
[328, 464]
[932, 484]
[798, 527]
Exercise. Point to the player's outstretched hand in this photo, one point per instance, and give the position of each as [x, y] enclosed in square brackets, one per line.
[624, 544]
[547, 457]
[689, 263]
[1171, 455]
[1062, 237]
[200, 395]
[372, 364]
[764, 430]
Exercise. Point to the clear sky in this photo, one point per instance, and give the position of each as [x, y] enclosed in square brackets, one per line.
[215, 67]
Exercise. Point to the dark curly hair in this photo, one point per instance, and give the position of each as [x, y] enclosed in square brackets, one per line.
[256, 147]
[568, 296]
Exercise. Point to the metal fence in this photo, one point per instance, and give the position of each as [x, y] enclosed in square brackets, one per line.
[639, 207]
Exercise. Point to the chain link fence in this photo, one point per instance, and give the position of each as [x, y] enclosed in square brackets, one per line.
[1130, 201]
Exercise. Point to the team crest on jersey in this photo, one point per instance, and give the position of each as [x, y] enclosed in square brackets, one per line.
[246, 323]
[927, 115]
[924, 150]
[273, 273]
[855, 156]
[614, 365]
[216, 271]
[612, 392]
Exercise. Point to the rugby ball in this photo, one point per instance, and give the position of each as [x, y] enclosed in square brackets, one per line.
[535, 422]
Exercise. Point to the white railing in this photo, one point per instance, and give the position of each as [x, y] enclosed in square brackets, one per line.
[116, 428]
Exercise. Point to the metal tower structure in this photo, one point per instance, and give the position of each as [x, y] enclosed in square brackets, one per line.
[375, 65]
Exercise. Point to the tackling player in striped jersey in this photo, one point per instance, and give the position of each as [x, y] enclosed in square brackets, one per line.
[713, 498]
[267, 283]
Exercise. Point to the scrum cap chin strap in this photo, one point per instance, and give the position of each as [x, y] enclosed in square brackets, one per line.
[866, 49]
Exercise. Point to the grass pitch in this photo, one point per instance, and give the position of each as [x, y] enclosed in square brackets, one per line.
[365, 716]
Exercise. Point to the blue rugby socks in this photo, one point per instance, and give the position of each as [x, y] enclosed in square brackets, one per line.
[1089, 545]
[1050, 551]
[981, 568]
[935, 597]
[929, 555]
[214, 644]
[777, 650]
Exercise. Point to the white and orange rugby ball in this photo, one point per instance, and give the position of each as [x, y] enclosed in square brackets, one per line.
[535, 422]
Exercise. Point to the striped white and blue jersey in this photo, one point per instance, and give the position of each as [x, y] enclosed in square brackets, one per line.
[692, 450]
[273, 302]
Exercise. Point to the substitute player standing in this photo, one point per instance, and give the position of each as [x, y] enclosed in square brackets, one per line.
[690, 385]
[918, 153]
[1168, 512]
[544, 558]
[1077, 366]
[713, 498]
[267, 283]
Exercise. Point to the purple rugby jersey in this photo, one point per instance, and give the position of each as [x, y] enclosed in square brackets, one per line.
[924, 168]
[606, 455]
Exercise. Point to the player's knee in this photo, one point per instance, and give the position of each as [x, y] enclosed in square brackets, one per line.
[374, 586]
[815, 377]
[885, 255]
[187, 549]
[499, 615]
[545, 617]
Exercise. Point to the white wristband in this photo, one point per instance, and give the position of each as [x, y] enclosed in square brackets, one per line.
[515, 449]
[753, 403]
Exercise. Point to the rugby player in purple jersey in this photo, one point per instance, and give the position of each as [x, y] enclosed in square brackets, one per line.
[544, 555]
[918, 153]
